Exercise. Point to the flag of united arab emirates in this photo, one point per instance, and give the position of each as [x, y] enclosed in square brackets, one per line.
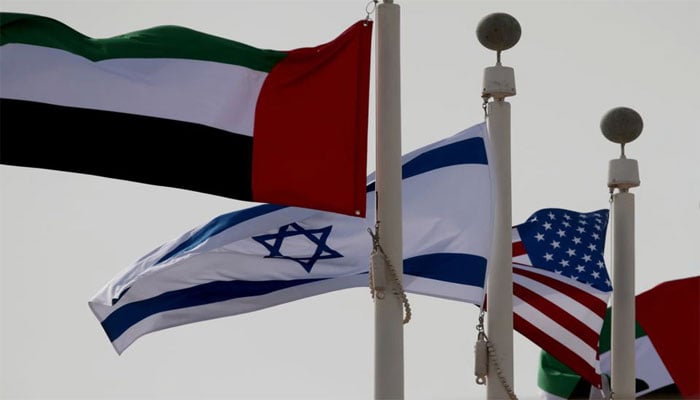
[174, 107]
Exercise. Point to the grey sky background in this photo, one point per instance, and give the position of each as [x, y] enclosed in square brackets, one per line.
[63, 236]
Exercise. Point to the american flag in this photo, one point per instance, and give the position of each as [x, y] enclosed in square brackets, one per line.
[561, 286]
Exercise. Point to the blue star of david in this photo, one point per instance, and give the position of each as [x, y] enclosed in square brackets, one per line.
[273, 243]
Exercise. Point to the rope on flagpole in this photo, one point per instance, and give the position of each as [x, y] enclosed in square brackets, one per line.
[398, 286]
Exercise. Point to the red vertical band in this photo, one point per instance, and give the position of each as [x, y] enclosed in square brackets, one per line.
[310, 132]
[669, 315]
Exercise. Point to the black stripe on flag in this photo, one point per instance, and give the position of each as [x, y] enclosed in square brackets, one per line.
[124, 146]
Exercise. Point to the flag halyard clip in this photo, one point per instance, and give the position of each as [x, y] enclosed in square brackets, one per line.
[369, 9]
[481, 362]
[484, 105]
[483, 351]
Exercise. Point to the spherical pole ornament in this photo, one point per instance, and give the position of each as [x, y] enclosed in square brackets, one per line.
[621, 125]
[498, 31]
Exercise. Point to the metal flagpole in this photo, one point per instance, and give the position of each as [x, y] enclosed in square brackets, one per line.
[499, 32]
[387, 273]
[622, 125]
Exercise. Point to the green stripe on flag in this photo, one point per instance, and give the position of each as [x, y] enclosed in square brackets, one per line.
[605, 338]
[556, 378]
[158, 42]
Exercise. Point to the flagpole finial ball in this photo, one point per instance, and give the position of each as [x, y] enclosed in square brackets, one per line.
[621, 125]
[498, 31]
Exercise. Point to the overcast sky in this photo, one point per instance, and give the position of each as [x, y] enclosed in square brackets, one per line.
[63, 236]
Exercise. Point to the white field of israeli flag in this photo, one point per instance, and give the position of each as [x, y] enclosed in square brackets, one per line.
[267, 255]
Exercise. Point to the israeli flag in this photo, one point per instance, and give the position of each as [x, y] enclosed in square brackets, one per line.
[267, 255]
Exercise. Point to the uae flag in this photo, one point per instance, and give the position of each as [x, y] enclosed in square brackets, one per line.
[174, 107]
[666, 346]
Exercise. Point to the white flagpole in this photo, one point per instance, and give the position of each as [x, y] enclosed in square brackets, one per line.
[499, 32]
[389, 364]
[623, 125]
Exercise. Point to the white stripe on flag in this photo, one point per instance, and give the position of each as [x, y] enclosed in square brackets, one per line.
[555, 331]
[443, 289]
[127, 86]
[572, 307]
[182, 316]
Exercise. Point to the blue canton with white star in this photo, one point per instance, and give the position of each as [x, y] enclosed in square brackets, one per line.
[568, 243]
[318, 248]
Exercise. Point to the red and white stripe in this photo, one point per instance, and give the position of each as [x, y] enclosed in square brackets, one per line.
[559, 314]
